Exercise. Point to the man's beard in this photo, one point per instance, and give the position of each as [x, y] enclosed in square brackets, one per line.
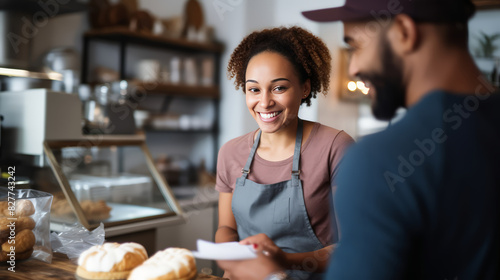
[388, 84]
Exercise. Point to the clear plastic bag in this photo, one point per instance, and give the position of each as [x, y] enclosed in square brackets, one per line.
[41, 202]
[75, 239]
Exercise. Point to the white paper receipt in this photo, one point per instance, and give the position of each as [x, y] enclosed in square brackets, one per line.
[223, 251]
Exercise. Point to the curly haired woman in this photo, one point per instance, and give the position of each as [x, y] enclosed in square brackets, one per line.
[275, 183]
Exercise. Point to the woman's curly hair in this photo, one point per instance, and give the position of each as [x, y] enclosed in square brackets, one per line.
[306, 52]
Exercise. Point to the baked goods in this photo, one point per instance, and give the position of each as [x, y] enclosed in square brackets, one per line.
[60, 206]
[110, 260]
[25, 223]
[19, 256]
[21, 223]
[171, 263]
[25, 240]
[93, 210]
[16, 227]
[3, 206]
[24, 207]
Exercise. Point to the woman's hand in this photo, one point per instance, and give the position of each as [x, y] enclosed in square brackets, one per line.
[262, 243]
[251, 269]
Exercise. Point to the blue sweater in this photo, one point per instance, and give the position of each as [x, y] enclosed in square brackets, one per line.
[420, 200]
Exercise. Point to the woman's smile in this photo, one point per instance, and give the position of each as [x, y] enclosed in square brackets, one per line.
[269, 116]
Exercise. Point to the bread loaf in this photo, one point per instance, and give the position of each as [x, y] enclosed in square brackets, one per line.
[110, 260]
[171, 263]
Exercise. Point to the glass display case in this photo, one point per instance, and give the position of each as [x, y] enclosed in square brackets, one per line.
[108, 179]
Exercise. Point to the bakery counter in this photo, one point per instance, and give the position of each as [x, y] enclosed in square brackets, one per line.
[61, 268]
[199, 205]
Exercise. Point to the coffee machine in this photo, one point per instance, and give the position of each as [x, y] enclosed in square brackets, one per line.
[34, 115]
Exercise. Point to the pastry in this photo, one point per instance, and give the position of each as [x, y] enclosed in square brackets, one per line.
[19, 224]
[110, 260]
[171, 263]
[60, 206]
[24, 241]
[18, 256]
[24, 207]
[4, 224]
[25, 223]
[93, 210]
[20, 228]
[3, 206]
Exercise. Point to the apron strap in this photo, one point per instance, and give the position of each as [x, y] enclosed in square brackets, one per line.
[296, 154]
[246, 169]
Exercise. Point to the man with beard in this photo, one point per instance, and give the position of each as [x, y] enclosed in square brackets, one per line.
[421, 199]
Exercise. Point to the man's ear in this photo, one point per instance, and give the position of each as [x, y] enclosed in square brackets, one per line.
[403, 34]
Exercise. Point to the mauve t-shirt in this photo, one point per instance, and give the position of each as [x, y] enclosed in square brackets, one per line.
[319, 159]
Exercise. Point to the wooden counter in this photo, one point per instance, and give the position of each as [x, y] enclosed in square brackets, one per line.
[61, 268]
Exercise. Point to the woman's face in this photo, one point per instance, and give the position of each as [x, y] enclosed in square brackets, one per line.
[273, 91]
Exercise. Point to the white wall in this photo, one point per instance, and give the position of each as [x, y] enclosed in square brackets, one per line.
[60, 31]
[229, 21]
[487, 21]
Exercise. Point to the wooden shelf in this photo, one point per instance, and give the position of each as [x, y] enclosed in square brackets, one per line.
[487, 4]
[123, 39]
[148, 129]
[32, 6]
[122, 34]
[178, 90]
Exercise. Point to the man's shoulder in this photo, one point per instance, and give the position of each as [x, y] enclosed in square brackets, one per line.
[421, 124]
[420, 121]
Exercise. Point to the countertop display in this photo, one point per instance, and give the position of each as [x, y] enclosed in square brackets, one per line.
[106, 179]
[61, 268]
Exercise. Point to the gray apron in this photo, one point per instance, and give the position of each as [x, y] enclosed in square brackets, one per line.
[278, 210]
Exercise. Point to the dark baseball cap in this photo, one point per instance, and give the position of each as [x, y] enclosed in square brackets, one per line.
[419, 10]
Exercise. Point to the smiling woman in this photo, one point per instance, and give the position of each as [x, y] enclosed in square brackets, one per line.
[275, 183]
